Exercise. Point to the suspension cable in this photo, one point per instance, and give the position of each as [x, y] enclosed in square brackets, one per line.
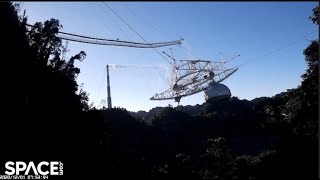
[256, 58]
[136, 32]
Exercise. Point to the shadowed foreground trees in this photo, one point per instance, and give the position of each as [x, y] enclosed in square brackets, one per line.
[266, 138]
[45, 116]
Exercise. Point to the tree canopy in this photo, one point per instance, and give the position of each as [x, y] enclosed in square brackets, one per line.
[46, 116]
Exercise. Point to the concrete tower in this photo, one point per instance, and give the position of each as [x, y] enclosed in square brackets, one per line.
[108, 89]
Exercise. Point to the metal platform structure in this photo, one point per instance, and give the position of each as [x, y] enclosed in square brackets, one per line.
[192, 76]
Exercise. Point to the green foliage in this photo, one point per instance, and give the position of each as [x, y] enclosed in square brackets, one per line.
[219, 160]
[47, 47]
[296, 120]
[300, 111]
[49, 118]
[266, 138]
[285, 124]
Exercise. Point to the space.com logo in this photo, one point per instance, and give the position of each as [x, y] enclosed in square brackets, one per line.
[43, 168]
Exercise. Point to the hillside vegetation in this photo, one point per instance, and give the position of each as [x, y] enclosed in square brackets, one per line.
[46, 116]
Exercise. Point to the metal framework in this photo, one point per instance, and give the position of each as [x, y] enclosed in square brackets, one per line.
[193, 76]
[111, 42]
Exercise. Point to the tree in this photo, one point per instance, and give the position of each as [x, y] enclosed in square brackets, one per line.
[42, 91]
[298, 120]
[301, 109]
[43, 40]
[219, 157]
[315, 16]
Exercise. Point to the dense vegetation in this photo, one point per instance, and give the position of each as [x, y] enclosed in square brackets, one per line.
[46, 116]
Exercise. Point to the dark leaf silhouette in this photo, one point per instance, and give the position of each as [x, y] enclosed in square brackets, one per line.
[45, 115]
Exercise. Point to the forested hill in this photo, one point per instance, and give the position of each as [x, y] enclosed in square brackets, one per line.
[242, 122]
[46, 116]
[148, 116]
